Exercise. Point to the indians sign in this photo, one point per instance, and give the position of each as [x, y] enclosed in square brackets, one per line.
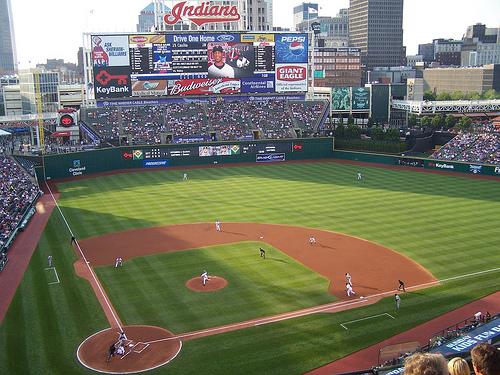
[200, 14]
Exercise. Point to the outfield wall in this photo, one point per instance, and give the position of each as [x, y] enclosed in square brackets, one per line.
[178, 155]
[420, 163]
[258, 152]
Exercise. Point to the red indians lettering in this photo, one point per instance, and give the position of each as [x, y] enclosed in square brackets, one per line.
[201, 14]
[179, 88]
[291, 73]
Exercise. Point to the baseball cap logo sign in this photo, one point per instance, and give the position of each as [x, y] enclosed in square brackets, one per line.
[202, 13]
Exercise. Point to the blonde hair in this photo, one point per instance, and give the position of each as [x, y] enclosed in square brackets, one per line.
[458, 366]
[425, 364]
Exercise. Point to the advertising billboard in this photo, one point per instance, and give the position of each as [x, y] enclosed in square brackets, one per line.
[360, 98]
[341, 99]
[198, 63]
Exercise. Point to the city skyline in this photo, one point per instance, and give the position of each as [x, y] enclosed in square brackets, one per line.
[38, 39]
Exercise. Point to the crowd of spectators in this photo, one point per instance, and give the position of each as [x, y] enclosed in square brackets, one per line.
[229, 120]
[455, 331]
[26, 124]
[480, 146]
[18, 193]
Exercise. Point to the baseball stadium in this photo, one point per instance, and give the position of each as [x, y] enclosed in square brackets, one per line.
[218, 224]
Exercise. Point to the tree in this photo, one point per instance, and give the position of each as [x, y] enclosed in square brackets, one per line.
[449, 122]
[377, 134]
[490, 94]
[350, 120]
[353, 132]
[464, 124]
[457, 95]
[443, 96]
[392, 135]
[425, 122]
[475, 96]
[412, 120]
[429, 96]
[340, 130]
[437, 122]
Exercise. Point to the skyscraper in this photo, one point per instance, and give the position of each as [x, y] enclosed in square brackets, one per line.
[8, 59]
[376, 27]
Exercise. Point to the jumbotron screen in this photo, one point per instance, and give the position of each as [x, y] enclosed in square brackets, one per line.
[177, 64]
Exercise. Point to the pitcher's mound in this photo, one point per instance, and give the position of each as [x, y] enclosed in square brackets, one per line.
[146, 348]
[214, 283]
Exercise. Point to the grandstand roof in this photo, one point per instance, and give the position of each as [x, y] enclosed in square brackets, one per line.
[448, 106]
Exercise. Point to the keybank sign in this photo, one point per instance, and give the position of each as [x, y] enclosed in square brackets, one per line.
[497, 170]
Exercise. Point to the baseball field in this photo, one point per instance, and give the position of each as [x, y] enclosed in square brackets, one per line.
[285, 314]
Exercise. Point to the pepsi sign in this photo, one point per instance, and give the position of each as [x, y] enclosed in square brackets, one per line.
[291, 48]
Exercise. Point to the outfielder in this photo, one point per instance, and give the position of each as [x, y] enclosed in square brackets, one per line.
[184, 176]
[359, 176]
[49, 260]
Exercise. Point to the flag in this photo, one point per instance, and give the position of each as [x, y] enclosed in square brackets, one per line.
[312, 10]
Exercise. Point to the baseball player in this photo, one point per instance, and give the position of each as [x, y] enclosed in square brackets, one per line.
[73, 240]
[397, 298]
[348, 278]
[217, 225]
[401, 285]
[118, 262]
[359, 176]
[312, 240]
[49, 260]
[184, 176]
[349, 290]
[262, 253]
[204, 278]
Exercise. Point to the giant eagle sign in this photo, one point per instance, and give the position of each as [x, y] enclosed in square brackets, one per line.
[200, 14]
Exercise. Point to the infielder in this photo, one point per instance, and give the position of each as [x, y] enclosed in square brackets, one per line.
[204, 278]
[348, 278]
[401, 285]
[118, 262]
[262, 253]
[217, 225]
[349, 290]
[312, 240]
[397, 298]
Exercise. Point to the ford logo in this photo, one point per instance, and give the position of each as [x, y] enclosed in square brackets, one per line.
[225, 38]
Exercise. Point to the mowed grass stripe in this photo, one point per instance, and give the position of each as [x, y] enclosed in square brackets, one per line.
[257, 287]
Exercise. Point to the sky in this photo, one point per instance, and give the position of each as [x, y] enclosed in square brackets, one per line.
[53, 28]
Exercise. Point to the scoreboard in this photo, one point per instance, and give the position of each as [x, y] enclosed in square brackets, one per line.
[186, 150]
[202, 63]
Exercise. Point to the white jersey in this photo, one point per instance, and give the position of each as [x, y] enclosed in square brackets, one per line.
[226, 71]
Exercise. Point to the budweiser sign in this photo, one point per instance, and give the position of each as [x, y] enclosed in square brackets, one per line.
[203, 13]
[201, 86]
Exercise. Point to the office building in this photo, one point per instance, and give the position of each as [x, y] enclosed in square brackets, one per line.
[447, 52]
[304, 12]
[466, 80]
[426, 50]
[8, 58]
[334, 31]
[49, 92]
[481, 46]
[376, 27]
[9, 92]
[337, 67]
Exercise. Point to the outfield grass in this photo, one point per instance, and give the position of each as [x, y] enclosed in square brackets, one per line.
[448, 224]
[257, 287]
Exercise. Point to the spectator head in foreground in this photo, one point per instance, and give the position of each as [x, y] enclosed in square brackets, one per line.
[485, 359]
[458, 366]
[425, 364]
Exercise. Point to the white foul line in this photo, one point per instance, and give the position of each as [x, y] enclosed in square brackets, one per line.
[316, 309]
[57, 277]
[368, 317]
[86, 262]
